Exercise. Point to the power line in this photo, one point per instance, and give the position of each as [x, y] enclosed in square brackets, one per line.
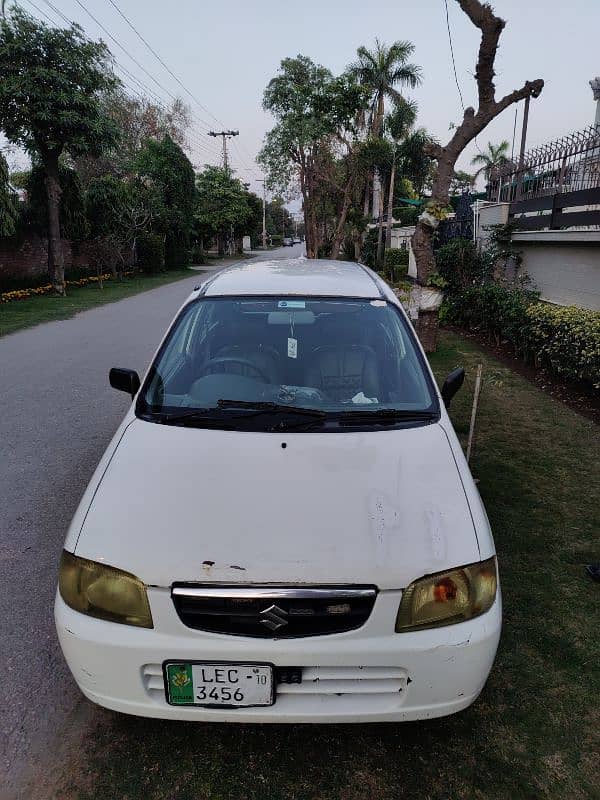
[124, 49]
[169, 70]
[452, 53]
[197, 143]
[142, 85]
[454, 69]
[174, 76]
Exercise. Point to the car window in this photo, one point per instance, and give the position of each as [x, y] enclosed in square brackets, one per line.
[328, 354]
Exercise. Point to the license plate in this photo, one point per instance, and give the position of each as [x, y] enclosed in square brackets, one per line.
[206, 683]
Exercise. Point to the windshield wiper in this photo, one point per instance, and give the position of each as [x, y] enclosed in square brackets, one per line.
[288, 417]
[191, 415]
[384, 416]
[222, 414]
[268, 407]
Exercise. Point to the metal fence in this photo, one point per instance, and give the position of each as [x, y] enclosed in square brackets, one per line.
[568, 164]
[556, 186]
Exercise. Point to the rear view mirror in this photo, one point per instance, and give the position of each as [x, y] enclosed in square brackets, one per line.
[291, 318]
[452, 384]
[126, 380]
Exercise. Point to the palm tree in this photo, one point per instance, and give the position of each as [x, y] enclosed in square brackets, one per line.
[398, 125]
[381, 70]
[494, 156]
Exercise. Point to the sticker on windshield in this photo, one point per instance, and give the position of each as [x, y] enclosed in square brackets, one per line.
[378, 303]
[292, 348]
[291, 304]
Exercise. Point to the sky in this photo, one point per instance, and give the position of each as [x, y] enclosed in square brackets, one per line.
[225, 53]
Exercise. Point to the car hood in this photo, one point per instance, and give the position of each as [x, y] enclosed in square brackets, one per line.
[183, 504]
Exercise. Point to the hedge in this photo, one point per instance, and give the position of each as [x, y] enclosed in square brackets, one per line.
[564, 340]
[396, 257]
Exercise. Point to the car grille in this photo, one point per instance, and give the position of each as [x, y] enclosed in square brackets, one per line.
[273, 612]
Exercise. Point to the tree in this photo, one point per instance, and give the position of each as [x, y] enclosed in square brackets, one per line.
[71, 208]
[462, 182]
[9, 209]
[117, 213]
[398, 125]
[494, 156]
[52, 82]
[381, 71]
[222, 206]
[137, 120]
[315, 114]
[165, 167]
[278, 219]
[474, 121]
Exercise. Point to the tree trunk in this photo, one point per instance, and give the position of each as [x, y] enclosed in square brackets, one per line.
[390, 211]
[339, 232]
[56, 257]
[367, 199]
[379, 258]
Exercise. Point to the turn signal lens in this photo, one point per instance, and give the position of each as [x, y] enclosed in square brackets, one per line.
[448, 597]
[103, 592]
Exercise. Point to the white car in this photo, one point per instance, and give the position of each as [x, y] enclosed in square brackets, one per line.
[284, 527]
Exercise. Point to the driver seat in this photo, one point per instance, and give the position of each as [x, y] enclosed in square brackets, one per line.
[266, 360]
[342, 371]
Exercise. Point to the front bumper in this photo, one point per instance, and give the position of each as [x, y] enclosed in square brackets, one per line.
[367, 675]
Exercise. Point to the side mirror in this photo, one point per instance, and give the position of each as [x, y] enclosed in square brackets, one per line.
[452, 384]
[126, 380]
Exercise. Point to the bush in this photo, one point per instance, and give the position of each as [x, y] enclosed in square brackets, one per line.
[498, 310]
[368, 253]
[396, 263]
[460, 263]
[276, 239]
[566, 340]
[407, 215]
[150, 249]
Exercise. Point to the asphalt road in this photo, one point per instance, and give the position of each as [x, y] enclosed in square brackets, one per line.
[58, 415]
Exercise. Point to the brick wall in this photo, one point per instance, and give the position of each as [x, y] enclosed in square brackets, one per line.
[28, 258]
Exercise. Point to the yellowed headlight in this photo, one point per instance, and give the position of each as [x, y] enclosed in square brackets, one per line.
[448, 597]
[103, 592]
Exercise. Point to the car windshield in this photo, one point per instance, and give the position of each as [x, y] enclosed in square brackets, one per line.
[238, 358]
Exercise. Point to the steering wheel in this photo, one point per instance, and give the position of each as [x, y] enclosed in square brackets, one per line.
[245, 362]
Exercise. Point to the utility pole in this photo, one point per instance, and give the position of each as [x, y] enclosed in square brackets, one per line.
[264, 199]
[521, 170]
[225, 135]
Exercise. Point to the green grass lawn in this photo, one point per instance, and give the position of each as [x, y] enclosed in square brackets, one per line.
[533, 733]
[46, 308]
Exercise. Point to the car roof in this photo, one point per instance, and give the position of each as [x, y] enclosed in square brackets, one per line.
[295, 276]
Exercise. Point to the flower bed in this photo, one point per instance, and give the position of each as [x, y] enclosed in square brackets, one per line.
[25, 294]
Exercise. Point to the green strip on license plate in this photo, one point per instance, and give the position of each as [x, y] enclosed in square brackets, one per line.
[180, 683]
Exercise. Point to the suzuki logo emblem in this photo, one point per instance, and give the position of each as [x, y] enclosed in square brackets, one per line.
[274, 617]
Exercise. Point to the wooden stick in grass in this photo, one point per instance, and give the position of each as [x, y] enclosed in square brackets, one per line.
[474, 411]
